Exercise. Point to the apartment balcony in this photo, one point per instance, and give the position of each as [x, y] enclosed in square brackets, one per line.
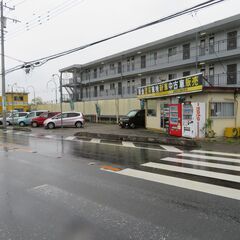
[209, 53]
[223, 80]
[69, 82]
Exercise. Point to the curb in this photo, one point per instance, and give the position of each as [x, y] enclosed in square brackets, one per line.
[23, 129]
[158, 140]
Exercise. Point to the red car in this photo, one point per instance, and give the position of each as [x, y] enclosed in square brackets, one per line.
[38, 121]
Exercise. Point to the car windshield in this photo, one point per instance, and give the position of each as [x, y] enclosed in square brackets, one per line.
[132, 113]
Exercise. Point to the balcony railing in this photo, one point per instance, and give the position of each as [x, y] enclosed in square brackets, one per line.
[211, 51]
[223, 80]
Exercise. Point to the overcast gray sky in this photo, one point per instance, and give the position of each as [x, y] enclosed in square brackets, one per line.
[57, 25]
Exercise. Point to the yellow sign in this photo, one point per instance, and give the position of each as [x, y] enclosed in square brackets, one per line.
[183, 85]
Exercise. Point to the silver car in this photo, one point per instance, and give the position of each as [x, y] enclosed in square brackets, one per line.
[12, 118]
[69, 119]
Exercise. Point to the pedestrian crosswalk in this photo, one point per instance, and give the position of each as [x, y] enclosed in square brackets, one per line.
[214, 173]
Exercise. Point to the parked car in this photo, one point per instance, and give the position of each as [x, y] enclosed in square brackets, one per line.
[24, 121]
[135, 118]
[69, 119]
[38, 121]
[12, 117]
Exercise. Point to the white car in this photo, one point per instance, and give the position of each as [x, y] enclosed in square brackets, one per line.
[69, 119]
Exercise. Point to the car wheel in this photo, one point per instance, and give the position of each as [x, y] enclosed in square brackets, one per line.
[51, 125]
[132, 125]
[7, 123]
[1, 123]
[21, 124]
[34, 124]
[78, 124]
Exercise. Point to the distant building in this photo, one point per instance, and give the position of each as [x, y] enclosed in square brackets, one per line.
[16, 101]
[213, 50]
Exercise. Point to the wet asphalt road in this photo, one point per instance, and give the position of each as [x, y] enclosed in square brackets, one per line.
[53, 189]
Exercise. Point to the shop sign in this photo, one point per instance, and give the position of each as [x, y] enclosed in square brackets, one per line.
[184, 85]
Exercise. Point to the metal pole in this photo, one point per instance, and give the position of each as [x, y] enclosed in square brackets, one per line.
[61, 98]
[196, 61]
[3, 69]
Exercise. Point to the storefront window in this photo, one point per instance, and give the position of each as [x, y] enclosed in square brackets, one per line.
[152, 108]
[222, 109]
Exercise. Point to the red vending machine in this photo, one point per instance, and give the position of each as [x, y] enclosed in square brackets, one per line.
[175, 120]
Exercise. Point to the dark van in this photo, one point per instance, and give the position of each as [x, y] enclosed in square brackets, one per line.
[135, 118]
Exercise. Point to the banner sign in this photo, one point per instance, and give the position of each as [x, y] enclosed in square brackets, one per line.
[184, 85]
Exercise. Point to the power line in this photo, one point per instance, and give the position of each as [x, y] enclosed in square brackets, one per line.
[45, 16]
[41, 61]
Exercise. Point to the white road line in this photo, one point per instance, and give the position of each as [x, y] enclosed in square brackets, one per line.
[17, 133]
[128, 144]
[200, 163]
[95, 140]
[198, 172]
[70, 138]
[217, 153]
[183, 183]
[209, 157]
[49, 136]
[171, 148]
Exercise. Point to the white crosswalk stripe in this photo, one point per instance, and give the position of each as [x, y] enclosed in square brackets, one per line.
[217, 153]
[95, 140]
[128, 144]
[183, 183]
[203, 164]
[196, 172]
[171, 148]
[217, 158]
[193, 171]
[70, 138]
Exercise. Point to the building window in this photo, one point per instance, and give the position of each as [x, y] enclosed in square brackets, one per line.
[128, 64]
[95, 73]
[143, 82]
[211, 75]
[186, 73]
[143, 61]
[133, 86]
[172, 51]
[202, 47]
[119, 67]
[232, 40]
[95, 91]
[186, 51]
[222, 109]
[211, 45]
[151, 108]
[232, 74]
[101, 88]
[119, 88]
[155, 57]
[101, 69]
[18, 98]
[112, 66]
[128, 87]
[112, 86]
[133, 63]
[152, 80]
[86, 92]
[172, 76]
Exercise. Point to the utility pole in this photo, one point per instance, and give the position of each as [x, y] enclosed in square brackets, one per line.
[3, 25]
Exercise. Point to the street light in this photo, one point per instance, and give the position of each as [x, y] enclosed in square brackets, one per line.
[52, 80]
[34, 96]
[61, 98]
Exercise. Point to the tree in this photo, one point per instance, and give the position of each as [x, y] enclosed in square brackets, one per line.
[37, 101]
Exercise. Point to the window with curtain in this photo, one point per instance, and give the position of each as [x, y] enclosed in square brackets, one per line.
[222, 109]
